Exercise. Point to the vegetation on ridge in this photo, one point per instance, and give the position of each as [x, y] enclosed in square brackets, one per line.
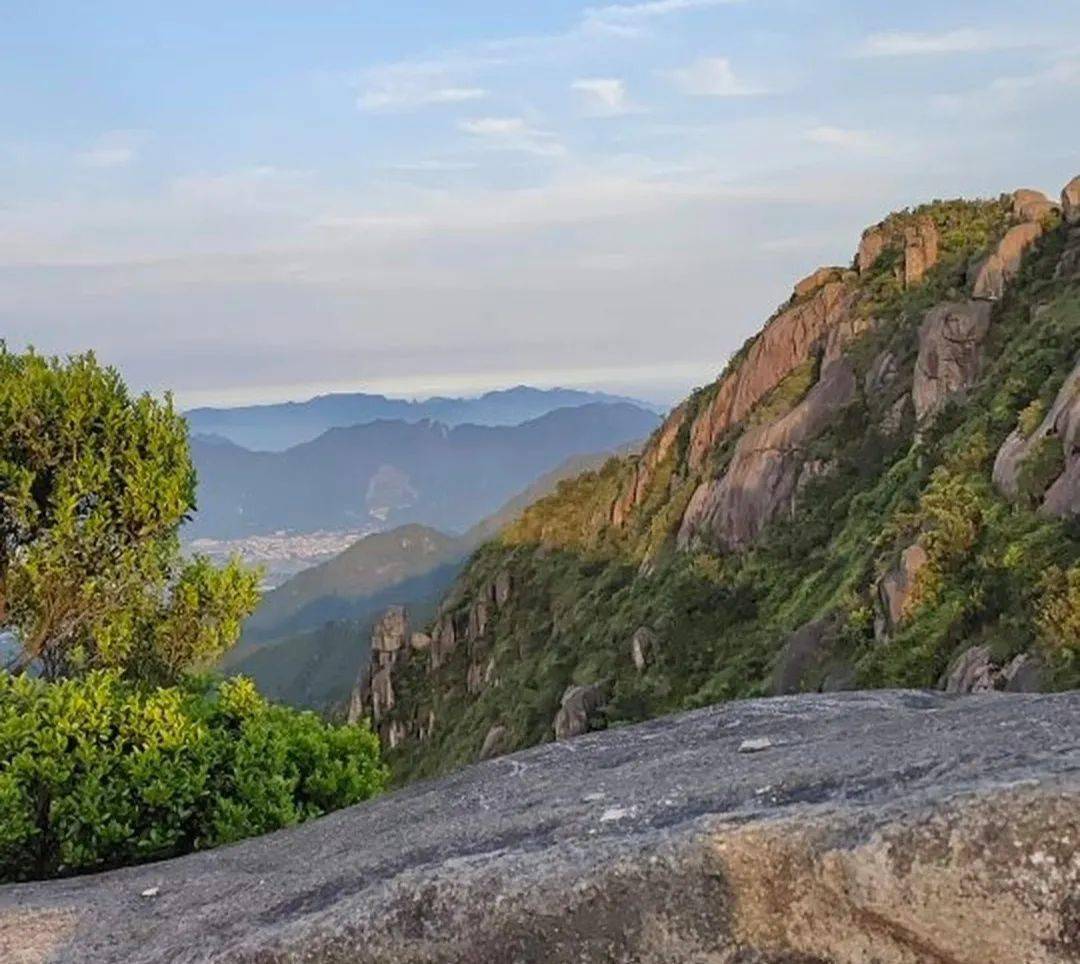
[999, 573]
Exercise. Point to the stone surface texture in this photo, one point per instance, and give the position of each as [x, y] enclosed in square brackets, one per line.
[889, 827]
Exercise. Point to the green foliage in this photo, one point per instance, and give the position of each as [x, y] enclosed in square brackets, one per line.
[94, 484]
[99, 772]
[583, 586]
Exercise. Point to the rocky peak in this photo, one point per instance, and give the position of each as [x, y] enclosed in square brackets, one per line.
[917, 238]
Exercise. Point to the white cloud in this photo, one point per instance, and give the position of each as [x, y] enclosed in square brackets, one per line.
[514, 134]
[410, 86]
[844, 138]
[604, 96]
[634, 12]
[711, 77]
[901, 44]
[115, 149]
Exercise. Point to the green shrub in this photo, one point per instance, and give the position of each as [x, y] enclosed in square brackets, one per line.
[99, 772]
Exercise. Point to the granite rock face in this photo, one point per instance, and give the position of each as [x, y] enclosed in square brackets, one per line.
[893, 827]
[990, 276]
[762, 481]
[950, 354]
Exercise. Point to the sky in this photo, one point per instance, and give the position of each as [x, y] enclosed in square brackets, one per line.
[253, 201]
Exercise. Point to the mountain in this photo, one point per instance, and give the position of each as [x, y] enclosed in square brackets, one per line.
[274, 428]
[881, 490]
[308, 639]
[390, 473]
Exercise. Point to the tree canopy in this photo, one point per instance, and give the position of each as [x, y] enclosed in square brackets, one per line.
[95, 483]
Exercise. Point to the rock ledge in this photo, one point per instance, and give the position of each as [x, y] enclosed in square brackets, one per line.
[889, 826]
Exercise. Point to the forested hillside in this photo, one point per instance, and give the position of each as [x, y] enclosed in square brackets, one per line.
[882, 489]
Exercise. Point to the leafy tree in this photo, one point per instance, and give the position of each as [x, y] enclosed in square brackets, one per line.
[94, 485]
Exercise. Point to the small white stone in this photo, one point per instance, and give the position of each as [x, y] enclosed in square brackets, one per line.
[615, 813]
[151, 892]
[755, 745]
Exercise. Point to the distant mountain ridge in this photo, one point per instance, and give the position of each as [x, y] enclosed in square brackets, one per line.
[276, 427]
[389, 473]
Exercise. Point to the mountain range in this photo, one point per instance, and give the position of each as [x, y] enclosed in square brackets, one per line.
[387, 473]
[276, 427]
[882, 489]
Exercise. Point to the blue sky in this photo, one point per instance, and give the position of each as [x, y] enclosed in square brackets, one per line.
[264, 200]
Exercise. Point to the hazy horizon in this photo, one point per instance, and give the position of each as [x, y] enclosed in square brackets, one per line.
[276, 200]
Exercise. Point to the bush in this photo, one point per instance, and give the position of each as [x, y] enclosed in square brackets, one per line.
[99, 772]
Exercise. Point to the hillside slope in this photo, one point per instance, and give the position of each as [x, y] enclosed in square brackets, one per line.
[882, 489]
[391, 473]
[308, 639]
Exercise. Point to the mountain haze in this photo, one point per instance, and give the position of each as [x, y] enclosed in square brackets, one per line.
[390, 473]
[276, 427]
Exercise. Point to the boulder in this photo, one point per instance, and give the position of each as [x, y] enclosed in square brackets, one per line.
[1024, 674]
[895, 589]
[817, 280]
[921, 246]
[1062, 422]
[989, 277]
[496, 743]
[805, 650]
[950, 354]
[1029, 205]
[643, 646]
[762, 479]
[973, 672]
[1070, 201]
[579, 706]
[888, 827]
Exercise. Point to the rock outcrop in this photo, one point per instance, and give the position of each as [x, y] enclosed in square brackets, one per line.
[578, 710]
[896, 588]
[816, 280]
[989, 277]
[373, 694]
[1060, 426]
[1029, 205]
[496, 743]
[898, 828]
[921, 244]
[918, 239]
[1070, 201]
[763, 478]
[975, 671]
[643, 648]
[950, 354]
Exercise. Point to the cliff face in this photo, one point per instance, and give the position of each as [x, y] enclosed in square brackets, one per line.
[882, 488]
